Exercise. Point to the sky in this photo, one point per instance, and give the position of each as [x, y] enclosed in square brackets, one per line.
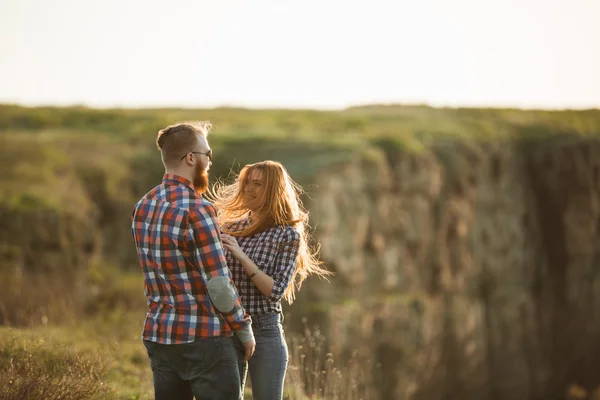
[323, 54]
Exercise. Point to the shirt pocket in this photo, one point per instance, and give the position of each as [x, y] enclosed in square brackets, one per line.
[264, 255]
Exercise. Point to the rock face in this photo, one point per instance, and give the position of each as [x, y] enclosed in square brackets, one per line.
[466, 270]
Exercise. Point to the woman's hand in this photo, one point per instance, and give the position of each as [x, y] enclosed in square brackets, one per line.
[231, 244]
[263, 282]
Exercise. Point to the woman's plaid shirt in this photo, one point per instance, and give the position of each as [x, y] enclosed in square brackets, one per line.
[275, 252]
[179, 248]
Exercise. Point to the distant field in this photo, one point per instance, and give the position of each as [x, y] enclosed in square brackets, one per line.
[57, 146]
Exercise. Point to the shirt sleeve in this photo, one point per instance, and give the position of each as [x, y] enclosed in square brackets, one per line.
[211, 260]
[285, 263]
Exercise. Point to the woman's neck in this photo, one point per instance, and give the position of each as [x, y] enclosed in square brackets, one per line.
[259, 217]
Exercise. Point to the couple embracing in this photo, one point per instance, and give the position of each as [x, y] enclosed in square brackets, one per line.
[215, 272]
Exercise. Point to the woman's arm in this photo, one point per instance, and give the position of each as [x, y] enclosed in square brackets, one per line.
[263, 282]
[285, 262]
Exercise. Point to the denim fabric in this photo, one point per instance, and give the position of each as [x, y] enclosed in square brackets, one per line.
[205, 369]
[268, 365]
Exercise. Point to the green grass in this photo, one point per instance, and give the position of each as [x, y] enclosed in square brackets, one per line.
[88, 153]
[106, 354]
[108, 345]
[369, 122]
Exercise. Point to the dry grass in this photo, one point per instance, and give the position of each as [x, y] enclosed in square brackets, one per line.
[314, 373]
[33, 302]
[29, 370]
[103, 358]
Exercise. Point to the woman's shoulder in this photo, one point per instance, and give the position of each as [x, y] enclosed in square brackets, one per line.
[287, 233]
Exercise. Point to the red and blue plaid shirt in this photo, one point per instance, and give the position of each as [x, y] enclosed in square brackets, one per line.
[178, 244]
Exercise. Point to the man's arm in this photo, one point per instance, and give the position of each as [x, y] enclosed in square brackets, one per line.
[211, 261]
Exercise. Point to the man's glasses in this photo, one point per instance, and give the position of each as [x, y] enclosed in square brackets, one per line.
[207, 154]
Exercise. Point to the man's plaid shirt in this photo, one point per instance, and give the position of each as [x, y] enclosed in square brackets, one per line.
[275, 252]
[179, 248]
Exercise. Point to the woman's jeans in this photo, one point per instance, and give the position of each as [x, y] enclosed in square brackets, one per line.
[268, 365]
[206, 369]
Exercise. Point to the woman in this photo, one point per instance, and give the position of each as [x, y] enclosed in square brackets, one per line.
[263, 225]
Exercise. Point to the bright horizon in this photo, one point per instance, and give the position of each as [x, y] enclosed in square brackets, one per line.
[292, 54]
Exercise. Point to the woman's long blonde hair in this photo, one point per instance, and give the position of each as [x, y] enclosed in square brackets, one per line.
[280, 205]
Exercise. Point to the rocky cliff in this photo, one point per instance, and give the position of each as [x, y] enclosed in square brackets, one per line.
[466, 270]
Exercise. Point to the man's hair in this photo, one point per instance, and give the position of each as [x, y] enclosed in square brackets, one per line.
[176, 140]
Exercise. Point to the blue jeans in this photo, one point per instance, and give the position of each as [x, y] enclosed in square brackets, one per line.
[268, 365]
[205, 369]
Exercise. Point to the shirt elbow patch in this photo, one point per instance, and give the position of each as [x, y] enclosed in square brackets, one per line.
[221, 293]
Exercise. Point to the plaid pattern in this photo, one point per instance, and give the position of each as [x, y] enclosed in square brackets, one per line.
[179, 248]
[275, 252]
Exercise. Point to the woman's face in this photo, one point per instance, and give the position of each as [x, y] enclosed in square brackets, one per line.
[254, 189]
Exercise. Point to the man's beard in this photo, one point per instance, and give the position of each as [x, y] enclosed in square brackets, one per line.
[200, 178]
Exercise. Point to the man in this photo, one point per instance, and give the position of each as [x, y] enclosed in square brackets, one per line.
[193, 305]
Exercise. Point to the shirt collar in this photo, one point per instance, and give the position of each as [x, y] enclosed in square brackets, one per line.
[179, 179]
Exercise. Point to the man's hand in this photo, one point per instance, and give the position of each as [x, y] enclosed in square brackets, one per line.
[249, 347]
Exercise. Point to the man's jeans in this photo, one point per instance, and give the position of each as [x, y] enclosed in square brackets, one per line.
[268, 365]
[206, 369]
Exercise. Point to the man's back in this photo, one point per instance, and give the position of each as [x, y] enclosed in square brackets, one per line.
[193, 306]
[179, 250]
